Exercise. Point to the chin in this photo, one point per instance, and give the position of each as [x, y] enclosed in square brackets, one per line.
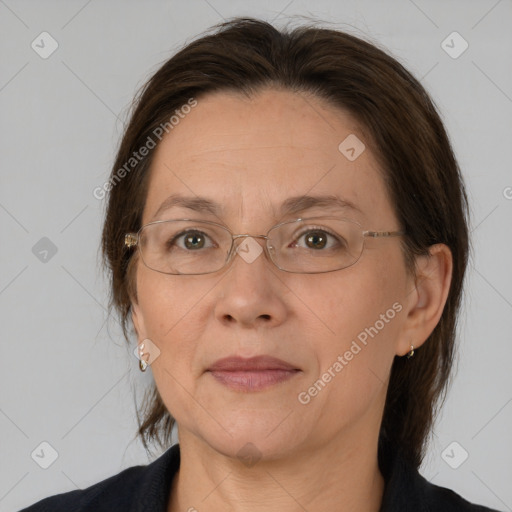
[250, 437]
[250, 449]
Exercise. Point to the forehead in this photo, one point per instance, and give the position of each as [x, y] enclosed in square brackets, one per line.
[251, 154]
[270, 123]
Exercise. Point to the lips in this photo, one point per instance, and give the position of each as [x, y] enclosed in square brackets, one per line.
[257, 363]
[251, 374]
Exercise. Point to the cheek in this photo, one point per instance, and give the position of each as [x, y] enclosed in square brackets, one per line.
[358, 312]
[165, 302]
[353, 301]
[362, 315]
[167, 306]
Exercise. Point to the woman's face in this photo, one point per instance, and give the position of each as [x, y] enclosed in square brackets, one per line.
[340, 330]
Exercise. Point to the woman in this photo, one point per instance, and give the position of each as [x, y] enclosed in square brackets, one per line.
[286, 229]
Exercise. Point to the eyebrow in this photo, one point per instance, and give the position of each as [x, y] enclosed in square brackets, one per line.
[299, 204]
[290, 206]
[198, 204]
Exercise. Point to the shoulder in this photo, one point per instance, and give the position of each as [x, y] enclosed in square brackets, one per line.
[132, 489]
[406, 490]
[438, 499]
[122, 486]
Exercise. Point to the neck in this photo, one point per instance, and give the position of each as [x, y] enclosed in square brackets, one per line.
[332, 477]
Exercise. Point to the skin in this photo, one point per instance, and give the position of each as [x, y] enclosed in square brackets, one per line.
[250, 155]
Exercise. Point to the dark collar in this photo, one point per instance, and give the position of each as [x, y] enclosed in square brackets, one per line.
[147, 489]
[406, 490]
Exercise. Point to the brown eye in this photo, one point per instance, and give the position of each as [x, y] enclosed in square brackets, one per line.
[319, 239]
[190, 241]
[195, 241]
[316, 240]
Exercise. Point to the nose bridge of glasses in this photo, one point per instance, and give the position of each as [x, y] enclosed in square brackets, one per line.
[250, 236]
[243, 237]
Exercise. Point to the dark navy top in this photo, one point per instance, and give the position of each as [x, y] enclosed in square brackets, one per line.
[147, 488]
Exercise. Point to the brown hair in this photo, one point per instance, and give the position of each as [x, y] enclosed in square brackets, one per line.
[406, 135]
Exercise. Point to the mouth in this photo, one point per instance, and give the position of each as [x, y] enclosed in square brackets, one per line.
[253, 374]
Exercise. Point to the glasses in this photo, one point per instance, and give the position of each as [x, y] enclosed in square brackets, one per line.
[305, 246]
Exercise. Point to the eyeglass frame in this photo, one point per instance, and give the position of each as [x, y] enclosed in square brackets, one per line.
[132, 239]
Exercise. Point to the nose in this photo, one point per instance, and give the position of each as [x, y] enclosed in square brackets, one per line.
[251, 295]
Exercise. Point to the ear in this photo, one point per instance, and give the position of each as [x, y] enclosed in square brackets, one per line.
[425, 302]
[138, 321]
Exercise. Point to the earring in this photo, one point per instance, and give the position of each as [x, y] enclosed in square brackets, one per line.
[143, 362]
[411, 353]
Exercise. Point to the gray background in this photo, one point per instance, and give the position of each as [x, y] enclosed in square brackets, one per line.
[67, 374]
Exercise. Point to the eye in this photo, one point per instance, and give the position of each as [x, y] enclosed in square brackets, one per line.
[318, 239]
[191, 239]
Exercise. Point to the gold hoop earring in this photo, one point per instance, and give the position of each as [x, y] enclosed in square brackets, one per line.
[411, 353]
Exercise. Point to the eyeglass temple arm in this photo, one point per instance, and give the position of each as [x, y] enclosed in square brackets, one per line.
[375, 234]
